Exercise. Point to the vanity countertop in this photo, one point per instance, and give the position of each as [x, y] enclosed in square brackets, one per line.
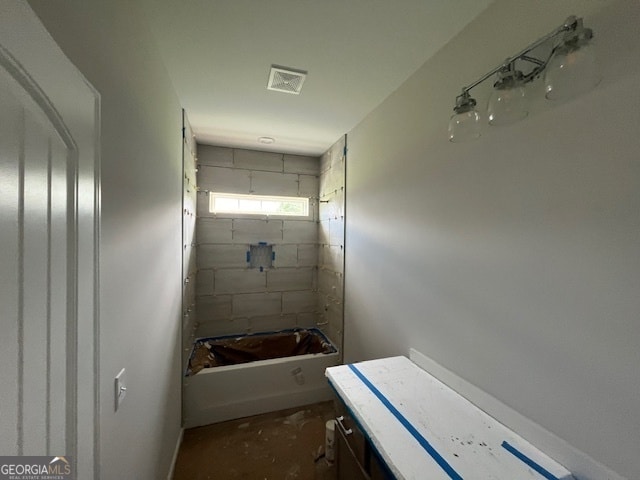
[421, 428]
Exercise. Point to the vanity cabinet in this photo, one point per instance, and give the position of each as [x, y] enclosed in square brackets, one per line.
[355, 457]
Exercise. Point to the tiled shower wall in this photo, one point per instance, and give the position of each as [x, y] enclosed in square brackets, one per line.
[231, 297]
[189, 268]
[331, 241]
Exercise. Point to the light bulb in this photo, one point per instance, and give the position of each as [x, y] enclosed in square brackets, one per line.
[507, 105]
[508, 102]
[571, 72]
[464, 124]
[464, 127]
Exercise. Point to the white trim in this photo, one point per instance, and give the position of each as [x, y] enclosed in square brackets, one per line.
[174, 459]
[579, 463]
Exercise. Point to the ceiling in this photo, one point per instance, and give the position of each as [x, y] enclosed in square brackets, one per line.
[219, 52]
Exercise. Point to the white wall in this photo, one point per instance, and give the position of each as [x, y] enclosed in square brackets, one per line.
[514, 260]
[141, 229]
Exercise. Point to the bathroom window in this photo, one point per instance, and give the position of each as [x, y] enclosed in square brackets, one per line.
[258, 204]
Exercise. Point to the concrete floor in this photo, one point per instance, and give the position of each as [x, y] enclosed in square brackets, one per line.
[285, 445]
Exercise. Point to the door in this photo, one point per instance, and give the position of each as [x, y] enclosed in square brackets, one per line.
[49, 218]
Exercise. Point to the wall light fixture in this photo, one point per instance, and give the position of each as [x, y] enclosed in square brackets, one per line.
[569, 70]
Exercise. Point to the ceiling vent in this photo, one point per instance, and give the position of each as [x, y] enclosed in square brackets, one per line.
[286, 80]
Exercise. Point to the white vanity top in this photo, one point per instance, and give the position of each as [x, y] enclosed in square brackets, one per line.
[423, 429]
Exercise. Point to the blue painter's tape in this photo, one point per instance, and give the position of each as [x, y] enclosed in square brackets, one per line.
[406, 424]
[521, 456]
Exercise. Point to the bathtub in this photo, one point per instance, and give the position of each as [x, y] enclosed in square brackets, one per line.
[234, 391]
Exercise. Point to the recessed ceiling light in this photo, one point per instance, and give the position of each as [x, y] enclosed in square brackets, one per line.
[267, 140]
